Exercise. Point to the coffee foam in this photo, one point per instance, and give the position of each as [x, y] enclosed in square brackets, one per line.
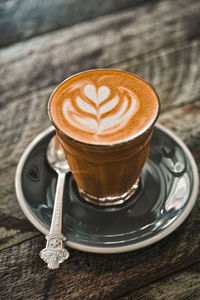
[103, 106]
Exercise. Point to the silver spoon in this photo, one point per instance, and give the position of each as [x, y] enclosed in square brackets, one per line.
[55, 253]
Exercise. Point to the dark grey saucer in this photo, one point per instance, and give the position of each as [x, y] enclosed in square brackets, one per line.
[167, 193]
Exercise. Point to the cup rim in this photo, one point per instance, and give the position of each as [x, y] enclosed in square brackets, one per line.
[128, 140]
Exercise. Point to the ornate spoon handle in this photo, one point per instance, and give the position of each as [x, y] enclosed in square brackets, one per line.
[55, 253]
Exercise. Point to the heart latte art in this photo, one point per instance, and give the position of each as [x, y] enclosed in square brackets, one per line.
[103, 107]
[96, 111]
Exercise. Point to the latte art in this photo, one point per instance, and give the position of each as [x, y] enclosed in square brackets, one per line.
[96, 111]
[103, 107]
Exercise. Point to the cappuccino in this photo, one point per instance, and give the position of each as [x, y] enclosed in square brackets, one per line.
[104, 120]
[103, 107]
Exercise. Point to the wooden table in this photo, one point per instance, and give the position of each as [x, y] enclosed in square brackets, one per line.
[158, 40]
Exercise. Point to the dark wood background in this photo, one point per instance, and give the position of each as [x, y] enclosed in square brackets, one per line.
[42, 43]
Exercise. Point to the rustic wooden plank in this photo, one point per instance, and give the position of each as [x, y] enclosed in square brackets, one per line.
[14, 231]
[27, 116]
[176, 82]
[181, 285]
[138, 35]
[91, 276]
[20, 20]
[185, 122]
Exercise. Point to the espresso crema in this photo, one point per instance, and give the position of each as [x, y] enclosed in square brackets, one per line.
[103, 106]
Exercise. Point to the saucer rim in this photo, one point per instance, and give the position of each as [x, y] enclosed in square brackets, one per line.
[114, 249]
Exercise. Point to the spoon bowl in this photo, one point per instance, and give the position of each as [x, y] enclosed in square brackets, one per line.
[56, 157]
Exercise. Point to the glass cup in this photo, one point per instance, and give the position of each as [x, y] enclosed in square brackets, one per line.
[107, 165]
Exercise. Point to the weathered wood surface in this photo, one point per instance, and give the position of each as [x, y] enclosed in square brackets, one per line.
[142, 40]
[92, 276]
[159, 41]
[20, 20]
[181, 285]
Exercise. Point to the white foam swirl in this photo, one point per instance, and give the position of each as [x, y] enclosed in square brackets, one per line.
[96, 112]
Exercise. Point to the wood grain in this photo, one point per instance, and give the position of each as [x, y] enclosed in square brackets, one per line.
[185, 122]
[181, 285]
[160, 41]
[114, 275]
[145, 32]
[20, 20]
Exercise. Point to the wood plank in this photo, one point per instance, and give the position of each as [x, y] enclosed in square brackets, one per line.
[176, 82]
[20, 20]
[185, 122]
[15, 230]
[91, 276]
[136, 35]
[181, 285]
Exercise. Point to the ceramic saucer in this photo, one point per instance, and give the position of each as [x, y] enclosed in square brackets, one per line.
[168, 190]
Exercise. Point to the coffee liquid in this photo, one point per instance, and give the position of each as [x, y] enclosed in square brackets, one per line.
[103, 107]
